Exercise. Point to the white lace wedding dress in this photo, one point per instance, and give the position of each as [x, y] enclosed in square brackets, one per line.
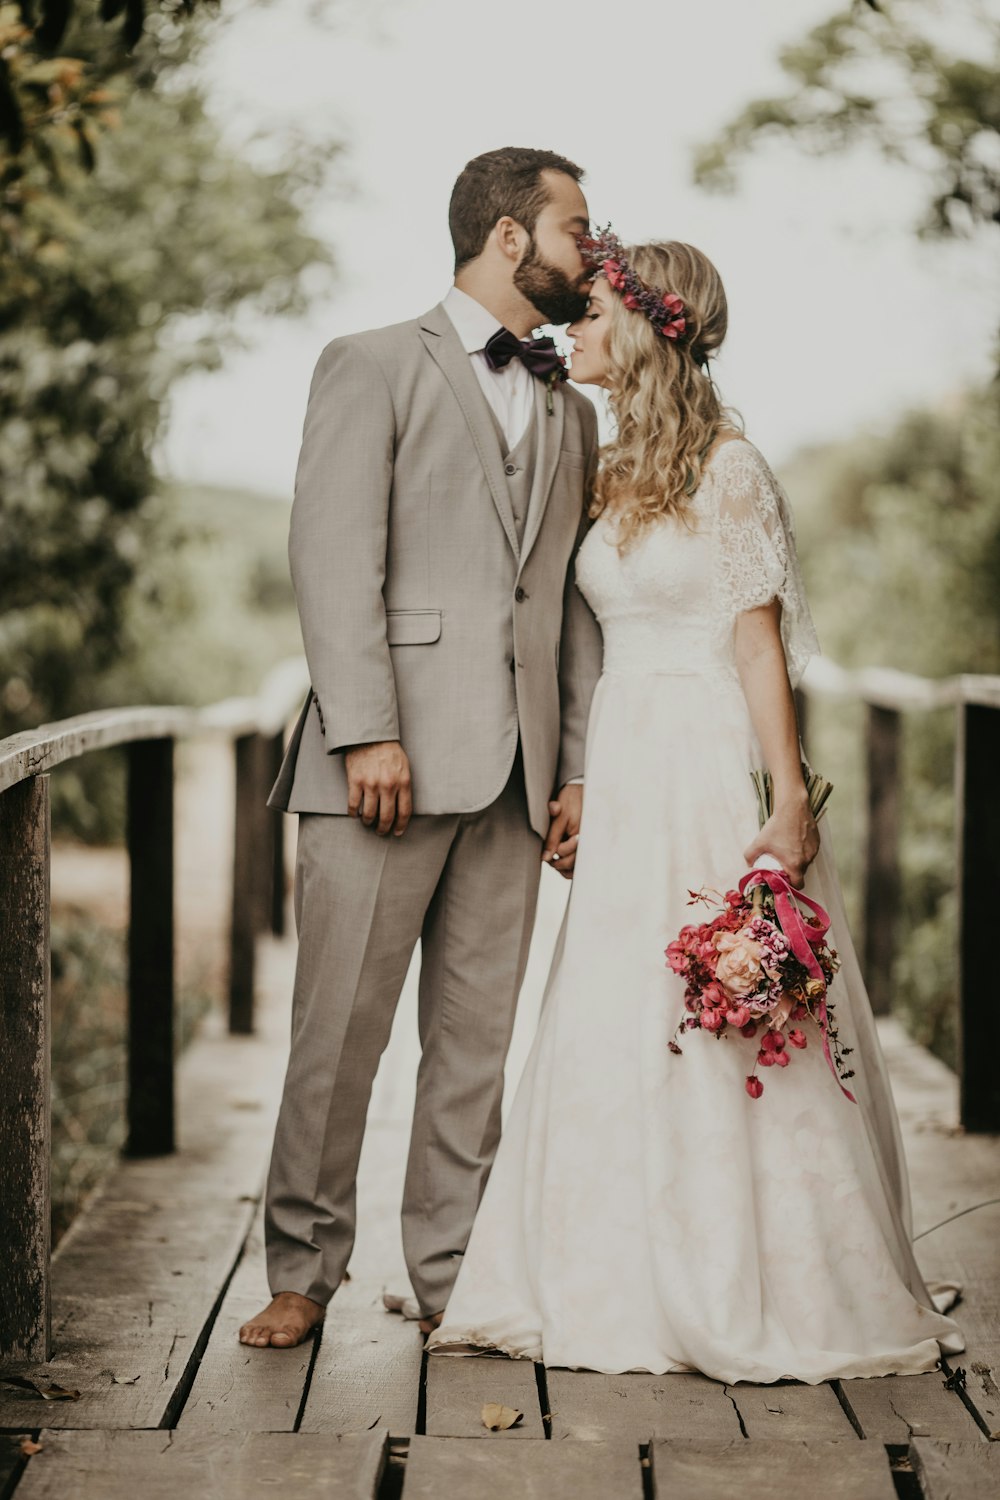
[643, 1213]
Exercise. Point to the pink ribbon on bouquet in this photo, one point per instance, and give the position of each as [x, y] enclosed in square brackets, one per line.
[801, 935]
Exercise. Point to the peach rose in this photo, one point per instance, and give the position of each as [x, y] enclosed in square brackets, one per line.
[738, 969]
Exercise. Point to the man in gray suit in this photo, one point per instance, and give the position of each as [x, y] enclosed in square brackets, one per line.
[440, 498]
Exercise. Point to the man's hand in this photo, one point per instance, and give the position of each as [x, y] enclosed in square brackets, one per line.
[564, 830]
[379, 787]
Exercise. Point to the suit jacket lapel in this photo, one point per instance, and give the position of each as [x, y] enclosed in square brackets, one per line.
[445, 348]
[549, 439]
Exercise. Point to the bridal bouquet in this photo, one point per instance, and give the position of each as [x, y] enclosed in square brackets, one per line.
[762, 969]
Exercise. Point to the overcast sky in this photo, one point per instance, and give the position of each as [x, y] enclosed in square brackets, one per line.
[839, 316]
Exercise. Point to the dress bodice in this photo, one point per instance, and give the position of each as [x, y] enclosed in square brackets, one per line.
[668, 604]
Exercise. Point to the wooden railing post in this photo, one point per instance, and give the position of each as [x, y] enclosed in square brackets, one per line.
[277, 830]
[25, 969]
[151, 948]
[978, 828]
[881, 869]
[252, 867]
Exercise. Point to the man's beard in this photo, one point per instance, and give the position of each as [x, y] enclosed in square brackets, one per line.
[557, 298]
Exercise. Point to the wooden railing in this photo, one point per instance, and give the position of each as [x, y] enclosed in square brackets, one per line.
[255, 726]
[887, 695]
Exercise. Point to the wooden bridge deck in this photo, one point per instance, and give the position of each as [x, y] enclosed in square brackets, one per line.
[155, 1277]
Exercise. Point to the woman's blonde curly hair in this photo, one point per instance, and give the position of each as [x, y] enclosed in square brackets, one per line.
[667, 409]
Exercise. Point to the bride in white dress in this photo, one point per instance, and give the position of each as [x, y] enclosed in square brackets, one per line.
[643, 1212]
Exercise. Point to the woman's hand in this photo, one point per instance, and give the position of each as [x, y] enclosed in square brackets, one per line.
[791, 836]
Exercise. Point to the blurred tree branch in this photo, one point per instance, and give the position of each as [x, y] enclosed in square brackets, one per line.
[878, 73]
[50, 102]
[112, 287]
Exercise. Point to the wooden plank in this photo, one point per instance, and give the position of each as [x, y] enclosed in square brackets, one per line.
[881, 866]
[25, 1147]
[766, 1470]
[956, 1470]
[949, 1172]
[12, 1460]
[978, 821]
[589, 1406]
[164, 1465]
[368, 1368]
[150, 822]
[239, 1389]
[897, 1407]
[437, 1467]
[791, 1411]
[459, 1386]
[136, 1279]
[36, 750]
[250, 870]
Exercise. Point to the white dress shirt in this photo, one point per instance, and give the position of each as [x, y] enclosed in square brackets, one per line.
[509, 391]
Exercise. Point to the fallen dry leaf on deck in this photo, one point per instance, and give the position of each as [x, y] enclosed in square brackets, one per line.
[47, 1392]
[125, 1379]
[498, 1418]
[29, 1448]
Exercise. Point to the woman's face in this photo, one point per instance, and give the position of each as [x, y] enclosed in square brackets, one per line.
[588, 365]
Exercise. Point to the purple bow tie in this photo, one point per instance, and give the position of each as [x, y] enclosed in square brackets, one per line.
[540, 356]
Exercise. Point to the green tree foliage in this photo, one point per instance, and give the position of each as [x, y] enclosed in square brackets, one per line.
[885, 75]
[54, 102]
[900, 536]
[117, 285]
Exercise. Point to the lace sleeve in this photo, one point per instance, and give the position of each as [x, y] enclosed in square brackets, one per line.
[754, 553]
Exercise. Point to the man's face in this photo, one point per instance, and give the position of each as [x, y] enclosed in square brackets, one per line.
[552, 275]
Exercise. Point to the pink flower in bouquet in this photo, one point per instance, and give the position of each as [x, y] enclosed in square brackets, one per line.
[766, 1059]
[707, 952]
[738, 968]
[781, 1059]
[712, 1020]
[750, 1029]
[714, 995]
[677, 958]
[754, 1087]
[797, 1038]
[738, 1016]
[772, 1041]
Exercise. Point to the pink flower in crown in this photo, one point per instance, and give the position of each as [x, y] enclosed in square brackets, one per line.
[676, 322]
[630, 300]
[614, 273]
[738, 969]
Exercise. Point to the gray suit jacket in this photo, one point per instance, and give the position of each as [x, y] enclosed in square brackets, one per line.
[422, 617]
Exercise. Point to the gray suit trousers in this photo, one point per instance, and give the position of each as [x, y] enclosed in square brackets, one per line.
[466, 885]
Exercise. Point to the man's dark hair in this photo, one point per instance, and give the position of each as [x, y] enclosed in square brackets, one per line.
[500, 183]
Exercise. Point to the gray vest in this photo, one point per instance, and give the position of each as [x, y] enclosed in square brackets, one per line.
[519, 469]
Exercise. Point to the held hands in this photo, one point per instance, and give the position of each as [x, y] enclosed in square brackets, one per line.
[791, 836]
[564, 830]
[379, 787]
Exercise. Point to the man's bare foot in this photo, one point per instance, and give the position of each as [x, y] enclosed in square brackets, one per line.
[285, 1322]
[428, 1325]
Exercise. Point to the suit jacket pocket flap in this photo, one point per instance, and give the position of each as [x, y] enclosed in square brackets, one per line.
[412, 627]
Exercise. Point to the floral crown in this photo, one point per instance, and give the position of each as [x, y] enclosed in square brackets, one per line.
[606, 254]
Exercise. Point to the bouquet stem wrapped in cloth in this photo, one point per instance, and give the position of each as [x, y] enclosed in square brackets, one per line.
[761, 967]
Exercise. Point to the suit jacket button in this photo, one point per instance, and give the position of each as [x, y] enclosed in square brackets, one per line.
[519, 594]
[510, 469]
